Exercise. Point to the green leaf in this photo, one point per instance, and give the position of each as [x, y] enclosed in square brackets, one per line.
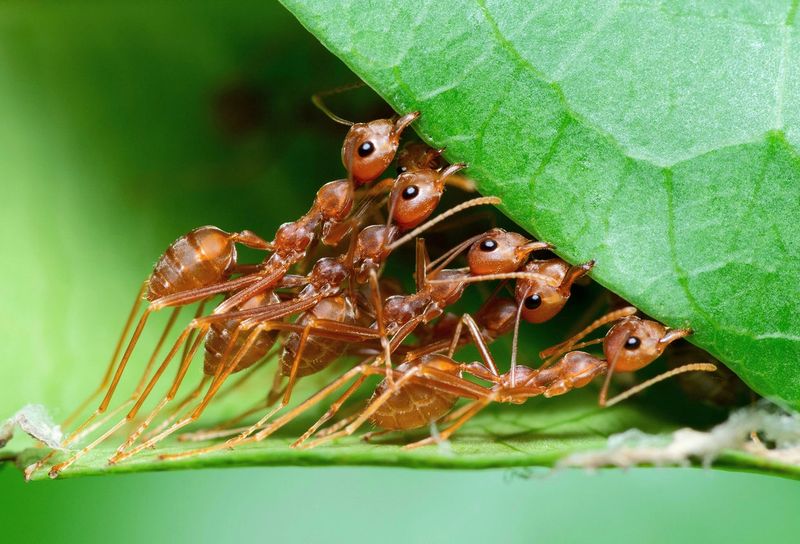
[119, 134]
[659, 139]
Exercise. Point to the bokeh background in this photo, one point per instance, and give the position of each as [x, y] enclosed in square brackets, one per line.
[124, 125]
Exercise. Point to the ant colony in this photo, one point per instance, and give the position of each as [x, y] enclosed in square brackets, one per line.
[306, 311]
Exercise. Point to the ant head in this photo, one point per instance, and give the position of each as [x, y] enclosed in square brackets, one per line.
[634, 343]
[416, 193]
[540, 301]
[372, 249]
[417, 155]
[499, 252]
[369, 148]
[542, 297]
[497, 316]
[328, 271]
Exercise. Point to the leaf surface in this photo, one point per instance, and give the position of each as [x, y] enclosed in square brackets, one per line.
[659, 139]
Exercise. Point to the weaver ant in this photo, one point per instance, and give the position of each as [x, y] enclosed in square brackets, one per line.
[425, 390]
[329, 279]
[201, 263]
[493, 254]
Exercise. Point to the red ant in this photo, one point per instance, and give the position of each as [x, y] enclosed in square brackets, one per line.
[323, 288]
[494, 253]
[200, 263]
[425, 390]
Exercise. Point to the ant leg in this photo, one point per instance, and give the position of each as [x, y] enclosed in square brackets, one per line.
[261, 283]
[193, 394]
[372, 434]
[399, 336]
[270, 428]
[334, 408]
[107, 376]
[378, 304]
[200, 308]
[226, 427]
[430, 377]
[313, 324]
[273, 426]
[216, 383]
[115, 380]
[289, 386]
[468, 414]
[142, 381]
[369, 410]
[565, 346]
[182, 298]
[57, 469]
[178, 299]
[480, 343]
[86, 427]
[691, 367]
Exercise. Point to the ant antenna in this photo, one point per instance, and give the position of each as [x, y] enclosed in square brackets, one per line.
[515, 341]
[449, 256]
[500, 276]
[691, 367]
[454, 210]
[317, 100]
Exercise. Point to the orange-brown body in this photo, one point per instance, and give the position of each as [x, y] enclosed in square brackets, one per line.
[203, 256]
[319, 352]
[219, 336]
[415, 405]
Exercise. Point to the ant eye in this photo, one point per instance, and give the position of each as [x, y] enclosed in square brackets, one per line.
[401, 170]
[410, 192]
[366, 149]
[488, 245]
[533, 302]
[632, 343]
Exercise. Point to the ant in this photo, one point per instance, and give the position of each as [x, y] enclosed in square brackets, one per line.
[200, 263]
[425, 390]
[323, 284]
[493, 254]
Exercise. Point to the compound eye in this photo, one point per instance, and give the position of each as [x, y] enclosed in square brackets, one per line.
[488, 245]
[632, 343]
[534, 301]
[410, 192]
[366, 149]
[401, 170]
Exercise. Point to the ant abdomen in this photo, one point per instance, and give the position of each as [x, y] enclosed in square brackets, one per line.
[218, 338]
[203, 256]
[414, 405]
[318, 352]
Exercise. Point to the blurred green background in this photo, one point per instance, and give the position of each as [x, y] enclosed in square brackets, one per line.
[123, 126]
